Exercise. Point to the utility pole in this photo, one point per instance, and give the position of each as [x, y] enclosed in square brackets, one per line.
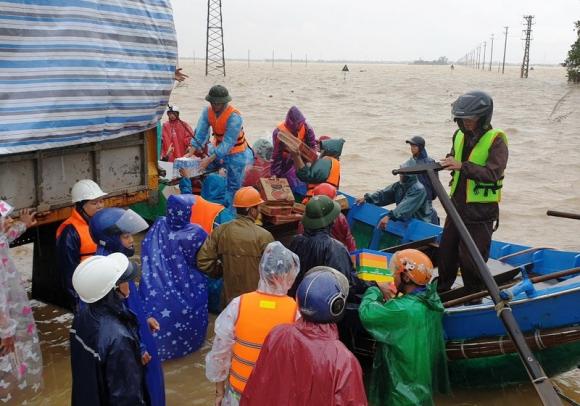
[248, 58]
[478, 56]
[272, 58]
[504, 48]
[484, 49]
[526, 61]
[291, 60]
[215, 62]
[491, 53]
[306, 60]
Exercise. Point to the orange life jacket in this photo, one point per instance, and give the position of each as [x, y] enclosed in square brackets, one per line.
[88, 246]
[258, 314]
[301, 132]
[219, 126]
[204, 213]
[333, 178]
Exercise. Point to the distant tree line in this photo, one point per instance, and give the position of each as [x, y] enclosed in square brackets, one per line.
[573, 60]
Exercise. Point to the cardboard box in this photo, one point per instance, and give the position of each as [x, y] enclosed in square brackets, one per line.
[342, 201]
[372, 265]
[307, 153]
[276, 190]
[298, 208]
[273, 210]
[282, 219]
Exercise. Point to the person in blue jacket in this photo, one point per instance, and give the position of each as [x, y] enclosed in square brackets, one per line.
[229, 148]
[172, 288]
[112, 229]
[408, 194]
[104, 338]
[420, 156]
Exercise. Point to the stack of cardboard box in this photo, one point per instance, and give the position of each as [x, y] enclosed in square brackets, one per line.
[279, 206]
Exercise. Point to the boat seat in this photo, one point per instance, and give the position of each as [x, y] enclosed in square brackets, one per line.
[501, 272]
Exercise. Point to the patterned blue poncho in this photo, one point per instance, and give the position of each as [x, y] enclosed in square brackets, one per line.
[172, 288]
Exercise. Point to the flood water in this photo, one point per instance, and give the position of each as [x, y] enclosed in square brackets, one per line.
[375, 108]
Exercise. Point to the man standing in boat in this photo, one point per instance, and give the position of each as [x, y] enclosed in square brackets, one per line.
[229, 149]
[477, 160]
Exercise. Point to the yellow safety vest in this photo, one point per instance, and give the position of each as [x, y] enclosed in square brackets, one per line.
[478, 192]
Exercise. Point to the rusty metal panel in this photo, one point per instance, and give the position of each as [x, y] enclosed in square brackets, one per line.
[122, 168]
[17, 183]
[60, 172]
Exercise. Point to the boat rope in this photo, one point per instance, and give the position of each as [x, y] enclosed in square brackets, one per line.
[538, 339]
[463, 350]
[502, 350]
[500, 307]
[540, 379]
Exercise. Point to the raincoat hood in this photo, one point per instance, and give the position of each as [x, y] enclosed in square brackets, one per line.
[179, 211]
[214, 189]
[332, 147]
[278, 269]
[294, 119]
[408, 180]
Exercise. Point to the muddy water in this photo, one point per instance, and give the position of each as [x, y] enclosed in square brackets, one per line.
[375, 107]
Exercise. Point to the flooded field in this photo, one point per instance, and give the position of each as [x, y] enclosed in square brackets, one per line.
[375, 108]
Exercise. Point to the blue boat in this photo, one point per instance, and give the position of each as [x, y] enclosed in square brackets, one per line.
[479, 350]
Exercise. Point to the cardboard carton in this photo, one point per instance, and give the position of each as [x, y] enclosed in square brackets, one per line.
[276, 190]
[307, 153]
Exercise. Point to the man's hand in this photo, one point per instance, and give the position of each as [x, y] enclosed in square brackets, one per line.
[179, 76]
[360, 201]
[450, 164]
[388, 290]
[153, 324]
[183, 173]
[27, 217]
[383, 223]
[145, 358]
[7, 346]
[204, 163]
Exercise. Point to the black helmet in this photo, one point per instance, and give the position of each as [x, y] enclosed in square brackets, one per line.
[416, 140]
[218, 94]
[475, 104]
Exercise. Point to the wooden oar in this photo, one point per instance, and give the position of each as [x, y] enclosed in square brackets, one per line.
[535, 279]
[564, 214]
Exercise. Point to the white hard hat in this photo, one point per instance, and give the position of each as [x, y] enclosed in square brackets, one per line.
[173, 109]
[86, 189]
[97, 275]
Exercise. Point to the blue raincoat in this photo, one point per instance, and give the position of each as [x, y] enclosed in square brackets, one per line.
[154, 382]
[235, 164]
[172, 289]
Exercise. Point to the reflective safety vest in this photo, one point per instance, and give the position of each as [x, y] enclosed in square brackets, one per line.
[478, 192]
[258, 314]
[88, 246]
[219, 126]
[204, 213]
[301, 132]
[333, 178]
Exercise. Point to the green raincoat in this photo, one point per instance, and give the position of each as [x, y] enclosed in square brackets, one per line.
[410, 363]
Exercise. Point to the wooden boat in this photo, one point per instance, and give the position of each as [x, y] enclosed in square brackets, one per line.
[479, 351]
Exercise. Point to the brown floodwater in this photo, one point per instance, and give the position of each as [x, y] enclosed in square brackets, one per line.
[375, 107]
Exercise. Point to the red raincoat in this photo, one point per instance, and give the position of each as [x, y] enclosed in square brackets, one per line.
[305, 364]
[177, 134]
[340, 231]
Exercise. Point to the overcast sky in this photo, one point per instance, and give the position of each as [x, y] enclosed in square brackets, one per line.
[388, 30]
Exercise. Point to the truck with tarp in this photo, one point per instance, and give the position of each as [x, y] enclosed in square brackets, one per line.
[83, 85]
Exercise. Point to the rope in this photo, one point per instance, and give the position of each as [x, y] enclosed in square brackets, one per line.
[500, 307]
